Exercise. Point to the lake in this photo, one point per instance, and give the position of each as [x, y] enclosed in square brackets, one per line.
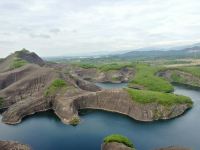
[44, 131]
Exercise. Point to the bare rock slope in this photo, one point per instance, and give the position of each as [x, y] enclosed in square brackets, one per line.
[11, 145]
[114, 146]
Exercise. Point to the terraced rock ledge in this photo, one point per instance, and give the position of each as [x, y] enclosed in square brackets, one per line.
[119, 101]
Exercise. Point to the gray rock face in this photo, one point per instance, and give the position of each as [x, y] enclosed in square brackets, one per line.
[11, 145]
[116, 101]
[28, 82]
[17, 111]
[115, 146]
[84, 85]
[188, 79]
[30, 57]
[114, 76]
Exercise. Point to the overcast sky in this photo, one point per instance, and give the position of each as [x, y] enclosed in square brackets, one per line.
[69, 27]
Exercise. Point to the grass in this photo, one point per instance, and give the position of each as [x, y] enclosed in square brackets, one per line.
[105, 67]
[87, 65]
[114, 66]
[17, 63]
[175, 77]
[146, 77]
[74, 121]
[194, 70]
[119, 139]
[166, 99]
[55, 86]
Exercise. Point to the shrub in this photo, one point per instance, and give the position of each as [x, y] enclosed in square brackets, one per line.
[119, 139]
[74, 121]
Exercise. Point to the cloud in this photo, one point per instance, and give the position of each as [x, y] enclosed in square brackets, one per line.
[55, 30]
[45, 36]
[65, 27]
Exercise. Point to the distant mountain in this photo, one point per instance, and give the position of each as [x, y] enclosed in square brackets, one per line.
[184, 52]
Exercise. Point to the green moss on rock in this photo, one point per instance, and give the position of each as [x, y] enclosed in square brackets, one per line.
[17, 63]
[119, 139]
[166, 99]
[55, 86]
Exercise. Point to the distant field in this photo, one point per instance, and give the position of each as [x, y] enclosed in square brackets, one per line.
[105, 67]
[182, 63]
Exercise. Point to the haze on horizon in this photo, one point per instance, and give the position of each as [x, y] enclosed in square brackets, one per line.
[65, 27]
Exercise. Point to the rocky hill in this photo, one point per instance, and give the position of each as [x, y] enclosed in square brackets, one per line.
[19, 59]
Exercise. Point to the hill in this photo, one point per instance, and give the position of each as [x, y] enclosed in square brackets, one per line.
[19, 59]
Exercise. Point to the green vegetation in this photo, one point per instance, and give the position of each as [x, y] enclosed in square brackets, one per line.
[166, 99]
[119, 139]
[87, 66]
[74, 121]
[194, 70]
[106, 66]
[1, 100]
[55, 86]
[175, 77]
[146, 77]
[114, 66]
[17, 63]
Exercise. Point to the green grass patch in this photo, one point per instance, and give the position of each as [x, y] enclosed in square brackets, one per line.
[175, 77]
[55, 86]
[114, 66]
[166, 99]
[17, 63]
[87, 66]
[146, 77]
[119, 139]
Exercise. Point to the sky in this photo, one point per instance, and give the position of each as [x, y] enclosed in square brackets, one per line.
[80, 27]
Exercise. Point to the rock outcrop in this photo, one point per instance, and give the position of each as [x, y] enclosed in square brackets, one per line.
[83, 84]
[30, 57]
[115, 146]
[28, 82]
[6, 64]
[178, 76]
[11, 145]
[19, 110]
[114, 76]
[118, 101]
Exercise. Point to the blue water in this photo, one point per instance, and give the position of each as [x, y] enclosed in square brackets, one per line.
[44, 131]
[112, 85]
